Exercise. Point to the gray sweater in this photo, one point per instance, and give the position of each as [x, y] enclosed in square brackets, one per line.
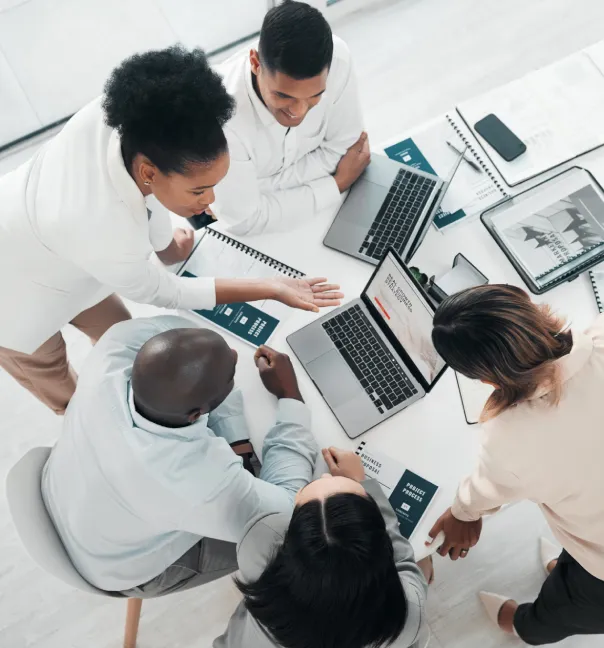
[254, 552]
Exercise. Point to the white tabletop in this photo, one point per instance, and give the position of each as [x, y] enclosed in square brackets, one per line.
[431, 437]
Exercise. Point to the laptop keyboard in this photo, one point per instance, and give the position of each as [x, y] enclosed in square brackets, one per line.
[398, 214]
[370, 359]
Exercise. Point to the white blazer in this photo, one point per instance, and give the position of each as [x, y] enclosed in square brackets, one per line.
[74, 228]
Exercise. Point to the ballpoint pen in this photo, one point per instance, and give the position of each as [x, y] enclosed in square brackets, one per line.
[465, 157]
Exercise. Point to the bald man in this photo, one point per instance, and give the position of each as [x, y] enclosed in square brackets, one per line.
[143, 486]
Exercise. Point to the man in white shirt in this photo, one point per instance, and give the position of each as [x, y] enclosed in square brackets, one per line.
[143, 486]
[296, 140]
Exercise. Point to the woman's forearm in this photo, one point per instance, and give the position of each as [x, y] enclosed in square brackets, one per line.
[242, 290]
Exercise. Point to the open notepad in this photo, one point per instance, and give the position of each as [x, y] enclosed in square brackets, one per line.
[218, 255]
[557, 111]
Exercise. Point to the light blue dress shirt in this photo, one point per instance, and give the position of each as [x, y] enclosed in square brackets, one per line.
[129, 497]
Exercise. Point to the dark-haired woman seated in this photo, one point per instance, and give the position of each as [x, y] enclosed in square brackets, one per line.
[336, 573]
[76, 227]
[543, 441]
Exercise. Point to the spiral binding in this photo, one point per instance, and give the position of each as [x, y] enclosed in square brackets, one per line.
[594, 284]
[460, 133]
[283, 268]
[574, 257]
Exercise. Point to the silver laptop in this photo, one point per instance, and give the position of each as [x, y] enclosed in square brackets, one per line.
[374, 356]
[390, 205]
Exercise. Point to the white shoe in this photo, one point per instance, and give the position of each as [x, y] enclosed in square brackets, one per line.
[549, 551]
[492, 604]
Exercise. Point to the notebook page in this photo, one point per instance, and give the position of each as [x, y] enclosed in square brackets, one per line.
[214, 257]
[558, 112]
[596, 54]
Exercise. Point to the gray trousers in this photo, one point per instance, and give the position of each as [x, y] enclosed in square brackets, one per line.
[205, 561]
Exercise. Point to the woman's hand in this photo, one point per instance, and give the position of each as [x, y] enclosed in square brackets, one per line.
[344, 463]
[460, 536]
[307, 293]
[184, 239]
[180, 248]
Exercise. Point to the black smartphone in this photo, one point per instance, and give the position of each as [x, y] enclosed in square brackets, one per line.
[500, 137]
[199, 221]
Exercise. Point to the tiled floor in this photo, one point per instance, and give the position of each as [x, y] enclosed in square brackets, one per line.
[414, 59]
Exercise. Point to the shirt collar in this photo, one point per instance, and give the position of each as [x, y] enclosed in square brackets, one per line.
[572, 363]
[121, 180]
[262, 111]
[187, 432]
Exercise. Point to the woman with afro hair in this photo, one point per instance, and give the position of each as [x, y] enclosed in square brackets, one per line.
[80, 220]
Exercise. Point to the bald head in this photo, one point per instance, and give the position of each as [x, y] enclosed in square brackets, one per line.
[181, 374]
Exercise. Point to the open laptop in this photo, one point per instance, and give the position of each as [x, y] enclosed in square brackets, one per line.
[374, 356]
[390, 205]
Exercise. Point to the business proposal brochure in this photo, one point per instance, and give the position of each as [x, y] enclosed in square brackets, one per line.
[409, 494]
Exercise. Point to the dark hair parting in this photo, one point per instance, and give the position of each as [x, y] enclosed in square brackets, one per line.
[333, 583]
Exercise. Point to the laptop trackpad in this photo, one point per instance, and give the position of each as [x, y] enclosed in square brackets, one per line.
[334, 378]
[363, 203]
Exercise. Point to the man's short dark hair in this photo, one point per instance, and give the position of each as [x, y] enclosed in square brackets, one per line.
[333, 583]
[170, 106]
[295, 40]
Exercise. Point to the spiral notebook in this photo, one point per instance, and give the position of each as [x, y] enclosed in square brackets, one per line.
[471, 191]
[218, 255]
[552, 232]
[596, 277]
[409, 494]
[557, 111]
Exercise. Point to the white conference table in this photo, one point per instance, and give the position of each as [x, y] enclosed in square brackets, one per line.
[431, 437]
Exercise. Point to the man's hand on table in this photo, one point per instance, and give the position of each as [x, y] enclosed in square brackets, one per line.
[353, 163]
[277, 373]
[460, 536]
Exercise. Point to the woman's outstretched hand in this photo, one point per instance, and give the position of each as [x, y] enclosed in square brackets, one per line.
[306, 293]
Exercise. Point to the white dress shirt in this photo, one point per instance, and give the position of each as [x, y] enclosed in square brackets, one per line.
[280, 177]
[128, 497]
[74, 228]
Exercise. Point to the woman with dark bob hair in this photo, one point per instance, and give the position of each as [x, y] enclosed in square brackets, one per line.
[80, 220]
[543, 440]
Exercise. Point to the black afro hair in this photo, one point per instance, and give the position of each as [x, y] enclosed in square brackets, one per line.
[170, 106]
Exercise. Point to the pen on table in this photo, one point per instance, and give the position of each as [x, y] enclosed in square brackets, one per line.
[465, 157]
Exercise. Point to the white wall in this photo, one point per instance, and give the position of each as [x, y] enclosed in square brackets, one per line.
[56, 54]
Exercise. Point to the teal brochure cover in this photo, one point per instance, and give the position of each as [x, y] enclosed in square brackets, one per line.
[409, 153]
[243, 320]
[410, 498]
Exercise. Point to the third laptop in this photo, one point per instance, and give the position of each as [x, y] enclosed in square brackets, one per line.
[374, 356]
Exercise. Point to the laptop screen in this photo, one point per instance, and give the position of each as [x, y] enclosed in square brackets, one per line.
[405, 311]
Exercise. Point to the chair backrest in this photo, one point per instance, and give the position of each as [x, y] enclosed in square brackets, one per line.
[34, 525]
